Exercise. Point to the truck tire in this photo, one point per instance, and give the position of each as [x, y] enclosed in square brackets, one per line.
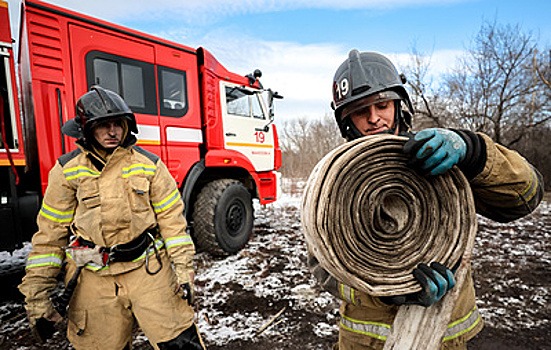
[223, 217]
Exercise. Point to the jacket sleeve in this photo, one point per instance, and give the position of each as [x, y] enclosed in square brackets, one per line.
[46, 257]
[505, 186]
[169, 210]
[340, 290]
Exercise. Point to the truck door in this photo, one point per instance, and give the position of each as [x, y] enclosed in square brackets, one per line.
[125, 66]
[246, 125]
[180, 108]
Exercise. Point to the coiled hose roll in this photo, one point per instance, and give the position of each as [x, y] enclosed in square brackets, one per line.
[370, 219]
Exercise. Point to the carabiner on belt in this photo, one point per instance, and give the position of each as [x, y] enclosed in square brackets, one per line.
[153, 246]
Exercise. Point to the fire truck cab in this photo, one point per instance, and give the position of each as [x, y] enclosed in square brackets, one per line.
[212, 128]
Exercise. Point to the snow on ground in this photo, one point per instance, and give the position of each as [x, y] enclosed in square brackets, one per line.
[11, 262]
[512, 264]
[264, 297]
[269, 274]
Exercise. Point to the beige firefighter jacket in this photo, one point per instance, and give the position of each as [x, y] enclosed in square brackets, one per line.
[507, 188]
[132, 193]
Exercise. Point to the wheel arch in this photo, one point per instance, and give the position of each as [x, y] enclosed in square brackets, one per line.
[199, 175]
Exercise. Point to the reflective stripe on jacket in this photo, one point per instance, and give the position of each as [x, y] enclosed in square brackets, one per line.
[507, 188]
[132, 193]
[381, 331]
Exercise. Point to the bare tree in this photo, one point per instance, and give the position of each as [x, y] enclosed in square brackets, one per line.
[494, 90]
[542, 69]
[431, 109]
[417, 79]
[304, 141]
[500, 87]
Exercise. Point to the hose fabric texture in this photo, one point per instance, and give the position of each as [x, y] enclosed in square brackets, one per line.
[370, 220]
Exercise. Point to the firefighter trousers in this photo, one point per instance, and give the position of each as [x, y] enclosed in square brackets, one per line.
[103, 308]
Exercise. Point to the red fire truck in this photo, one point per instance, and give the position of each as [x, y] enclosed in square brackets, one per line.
[212, 128]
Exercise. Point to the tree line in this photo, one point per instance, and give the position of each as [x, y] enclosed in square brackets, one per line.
[501, 86]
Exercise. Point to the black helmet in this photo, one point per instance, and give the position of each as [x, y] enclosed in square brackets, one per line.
[365, 74]
[98, 105]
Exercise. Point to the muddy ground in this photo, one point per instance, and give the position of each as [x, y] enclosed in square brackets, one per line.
[238, 295]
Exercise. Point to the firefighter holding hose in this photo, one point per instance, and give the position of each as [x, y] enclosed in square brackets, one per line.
[369, 98]
[114, 214]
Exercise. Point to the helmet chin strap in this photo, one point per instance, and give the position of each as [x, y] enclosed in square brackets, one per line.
[397, 119]
[351, 132]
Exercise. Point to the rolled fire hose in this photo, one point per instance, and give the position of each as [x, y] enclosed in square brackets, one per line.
[370, 219]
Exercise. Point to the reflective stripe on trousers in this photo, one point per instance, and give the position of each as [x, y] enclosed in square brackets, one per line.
[381, 330]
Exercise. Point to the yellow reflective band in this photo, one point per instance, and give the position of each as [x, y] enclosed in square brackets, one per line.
[44, 260]
[136, 169]
[148, 142]
[372, 329]
[243, 144]
[158, 245]
[79, 171]
[89, 266]
[18, 162]
[381, 331]
[178, 241]
[463, 325]
[530, 190]
[56, 215]
[168, 202]
[347, 293]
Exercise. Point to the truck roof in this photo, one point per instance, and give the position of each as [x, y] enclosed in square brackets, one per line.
[101, 23]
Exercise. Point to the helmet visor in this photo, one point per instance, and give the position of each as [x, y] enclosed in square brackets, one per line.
[370, 100]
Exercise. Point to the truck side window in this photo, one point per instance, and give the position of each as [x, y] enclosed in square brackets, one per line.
[106, 74]
[255, 107]
[133, 80]
[237, 102]
[132, 85]
[173, 92]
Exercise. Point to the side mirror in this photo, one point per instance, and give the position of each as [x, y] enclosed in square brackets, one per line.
[271, 96]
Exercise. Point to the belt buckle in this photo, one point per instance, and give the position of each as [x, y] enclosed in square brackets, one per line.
[109, 254]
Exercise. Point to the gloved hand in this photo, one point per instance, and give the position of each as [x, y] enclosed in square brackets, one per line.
[43, 329]
[185, 276]
[435, 150]
[187, 293]
[435, 281]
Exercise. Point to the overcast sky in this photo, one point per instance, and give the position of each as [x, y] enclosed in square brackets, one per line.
[298, 44]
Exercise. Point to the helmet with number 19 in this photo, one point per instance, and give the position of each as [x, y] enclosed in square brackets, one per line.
[364, 79]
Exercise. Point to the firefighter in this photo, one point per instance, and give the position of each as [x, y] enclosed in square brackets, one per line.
[119, 204]
[369, 98]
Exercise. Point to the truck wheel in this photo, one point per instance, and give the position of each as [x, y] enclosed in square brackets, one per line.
[223, 217]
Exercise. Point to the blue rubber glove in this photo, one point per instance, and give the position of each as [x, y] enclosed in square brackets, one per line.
[435, 282]
[435, 150]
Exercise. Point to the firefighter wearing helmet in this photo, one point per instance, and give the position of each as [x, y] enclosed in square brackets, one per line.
[113, 213]
[369, 79]
[369, 98]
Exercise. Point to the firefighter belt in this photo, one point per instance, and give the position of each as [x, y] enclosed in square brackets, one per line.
[122, 252]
